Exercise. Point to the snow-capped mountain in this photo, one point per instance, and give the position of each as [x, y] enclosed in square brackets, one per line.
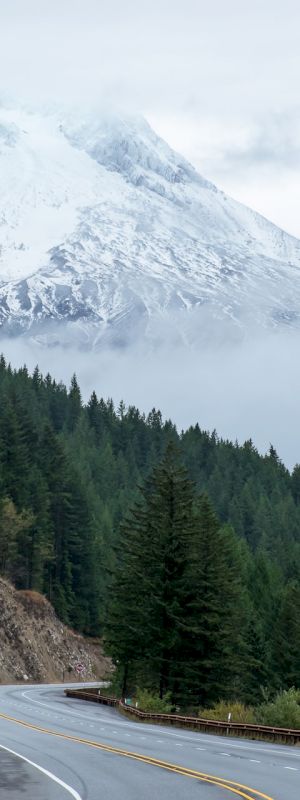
[108, 236]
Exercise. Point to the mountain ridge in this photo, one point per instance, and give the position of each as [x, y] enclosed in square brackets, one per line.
[108, 237]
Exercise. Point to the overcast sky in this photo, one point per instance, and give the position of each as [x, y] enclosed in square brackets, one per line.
[219, 80]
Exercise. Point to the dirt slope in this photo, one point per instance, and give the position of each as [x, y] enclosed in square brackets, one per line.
[36, 646]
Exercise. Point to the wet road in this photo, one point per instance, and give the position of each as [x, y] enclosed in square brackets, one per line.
[74, 751]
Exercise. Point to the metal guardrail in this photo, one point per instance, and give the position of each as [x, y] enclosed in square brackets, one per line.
[266, 732]
[92, 695]
[218, 726]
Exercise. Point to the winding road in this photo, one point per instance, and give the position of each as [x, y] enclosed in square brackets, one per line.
[54, 748]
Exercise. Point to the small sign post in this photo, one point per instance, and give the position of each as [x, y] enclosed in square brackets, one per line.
[80, 668]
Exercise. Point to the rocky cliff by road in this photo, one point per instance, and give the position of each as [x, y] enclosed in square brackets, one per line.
[36, 646]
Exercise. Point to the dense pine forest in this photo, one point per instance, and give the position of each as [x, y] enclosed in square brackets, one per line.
[181, 548]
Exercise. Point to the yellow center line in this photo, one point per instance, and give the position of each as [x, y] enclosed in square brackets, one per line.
[231, 786]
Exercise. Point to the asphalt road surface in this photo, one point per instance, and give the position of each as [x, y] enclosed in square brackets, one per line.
[54, 748]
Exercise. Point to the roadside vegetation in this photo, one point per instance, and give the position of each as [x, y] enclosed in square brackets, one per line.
[283, 711]
[233, 710]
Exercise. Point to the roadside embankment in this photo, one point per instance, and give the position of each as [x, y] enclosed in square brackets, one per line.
[36, 646]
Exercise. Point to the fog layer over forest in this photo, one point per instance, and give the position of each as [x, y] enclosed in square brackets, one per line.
[243, 390]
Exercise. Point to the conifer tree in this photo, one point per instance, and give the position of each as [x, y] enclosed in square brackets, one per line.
[286, 638]
[215, 612]
[74, 404]
[144, 630]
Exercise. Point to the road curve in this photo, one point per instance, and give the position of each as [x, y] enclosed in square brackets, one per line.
[54, 748]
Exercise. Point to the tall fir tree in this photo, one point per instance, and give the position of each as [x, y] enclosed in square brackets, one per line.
[146, 617]
[216, 611]
[286, 638]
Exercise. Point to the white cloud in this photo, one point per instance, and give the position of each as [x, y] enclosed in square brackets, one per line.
[209, 74]
[257, 162]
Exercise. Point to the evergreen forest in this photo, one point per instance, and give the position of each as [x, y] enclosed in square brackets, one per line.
[180, 548]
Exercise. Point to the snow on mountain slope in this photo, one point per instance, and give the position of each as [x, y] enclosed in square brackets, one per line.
[107, 235]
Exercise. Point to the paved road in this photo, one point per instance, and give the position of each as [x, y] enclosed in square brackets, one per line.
[75, 768]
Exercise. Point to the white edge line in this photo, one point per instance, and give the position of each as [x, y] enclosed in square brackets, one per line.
[46, 772]
[151, 729]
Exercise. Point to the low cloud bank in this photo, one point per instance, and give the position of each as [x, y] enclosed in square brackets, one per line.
[245, 390]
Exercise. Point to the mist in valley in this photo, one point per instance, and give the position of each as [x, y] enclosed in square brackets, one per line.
[246, 389]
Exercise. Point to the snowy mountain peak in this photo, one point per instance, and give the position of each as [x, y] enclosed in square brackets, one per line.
[128, 145]
[108, 235]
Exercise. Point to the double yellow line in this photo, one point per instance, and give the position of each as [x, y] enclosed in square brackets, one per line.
[231, 786]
